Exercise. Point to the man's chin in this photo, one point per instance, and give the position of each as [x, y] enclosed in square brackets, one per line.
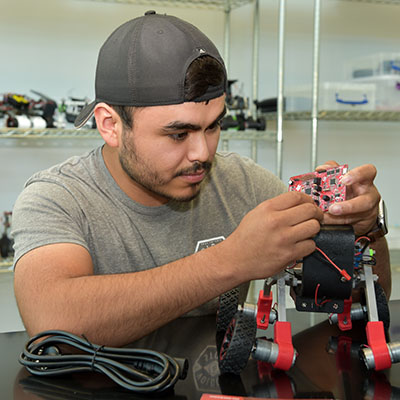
[186, 199]
[189, 196]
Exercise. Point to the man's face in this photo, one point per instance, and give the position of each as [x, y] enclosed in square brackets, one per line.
[170, 149]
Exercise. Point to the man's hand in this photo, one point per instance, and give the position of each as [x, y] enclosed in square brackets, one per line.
[274, 234]
[361, 207]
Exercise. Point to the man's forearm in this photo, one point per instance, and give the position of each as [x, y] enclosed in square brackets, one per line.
[117, 309]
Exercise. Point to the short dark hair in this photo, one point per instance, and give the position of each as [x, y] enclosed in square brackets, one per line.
[203, 72]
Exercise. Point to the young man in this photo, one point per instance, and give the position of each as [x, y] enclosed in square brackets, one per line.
[155, 224]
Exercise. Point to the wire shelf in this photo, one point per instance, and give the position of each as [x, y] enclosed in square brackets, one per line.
[393, 2]
[327, 115]
[54, 133]
[48, 133]
[206, 4]
[6, 264]
[248, 135]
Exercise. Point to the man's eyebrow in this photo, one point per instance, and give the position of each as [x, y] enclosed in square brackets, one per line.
[180, 126]
[220, 116]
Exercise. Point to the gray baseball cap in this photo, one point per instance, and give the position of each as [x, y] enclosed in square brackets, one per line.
[144, 62]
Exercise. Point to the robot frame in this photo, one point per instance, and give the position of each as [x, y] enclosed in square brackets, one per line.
[322, 282]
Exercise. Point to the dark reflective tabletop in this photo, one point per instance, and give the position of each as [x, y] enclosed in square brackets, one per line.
[327, 366]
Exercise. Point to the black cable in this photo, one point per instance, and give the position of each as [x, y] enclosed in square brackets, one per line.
[138, 370]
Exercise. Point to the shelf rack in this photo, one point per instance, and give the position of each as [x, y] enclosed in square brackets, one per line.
[330, 115]
[43, 136]
[54, 133]
[393, 2]
[5, 264]
[207, 4]
[315, 72]
[49, 133]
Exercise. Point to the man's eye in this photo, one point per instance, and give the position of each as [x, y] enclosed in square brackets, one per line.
[178, 136]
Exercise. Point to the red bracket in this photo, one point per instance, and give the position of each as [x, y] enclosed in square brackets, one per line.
[283, 338]
[377, 343]
[263, 309]
[344, 318]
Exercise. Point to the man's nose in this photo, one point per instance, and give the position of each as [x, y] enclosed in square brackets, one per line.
[198, 149]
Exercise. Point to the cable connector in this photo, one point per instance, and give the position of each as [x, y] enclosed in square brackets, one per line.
[138, 370]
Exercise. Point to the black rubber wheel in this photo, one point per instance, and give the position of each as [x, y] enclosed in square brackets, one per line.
[228, 304]
[237, 344]
[382, 305]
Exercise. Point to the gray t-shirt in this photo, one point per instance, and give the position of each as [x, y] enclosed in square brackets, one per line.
[79, 202]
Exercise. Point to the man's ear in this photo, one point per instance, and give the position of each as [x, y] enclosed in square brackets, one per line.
[109, 124]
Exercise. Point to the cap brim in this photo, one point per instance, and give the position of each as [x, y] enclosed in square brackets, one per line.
[85, 115]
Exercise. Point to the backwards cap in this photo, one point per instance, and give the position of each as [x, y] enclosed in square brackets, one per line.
[144, 63]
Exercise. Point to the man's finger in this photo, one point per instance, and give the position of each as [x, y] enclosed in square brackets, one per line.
[301, 213]
[289, 200]
[361, 175]
[326, 165]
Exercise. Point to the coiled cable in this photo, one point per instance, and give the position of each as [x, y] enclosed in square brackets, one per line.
[138, 370]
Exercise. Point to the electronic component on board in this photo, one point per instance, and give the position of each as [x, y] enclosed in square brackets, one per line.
[324, 187]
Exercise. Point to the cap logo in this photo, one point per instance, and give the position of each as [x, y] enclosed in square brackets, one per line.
[201, 50]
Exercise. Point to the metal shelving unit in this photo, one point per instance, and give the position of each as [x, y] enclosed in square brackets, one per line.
[5, 264]
[207, 4]
[375, 1]
[315, 113]
[49, 133]
[53, 133]
[329, 115]
[221, 5]
[42, 137]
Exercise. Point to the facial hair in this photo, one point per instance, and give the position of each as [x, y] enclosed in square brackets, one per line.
[139, 170]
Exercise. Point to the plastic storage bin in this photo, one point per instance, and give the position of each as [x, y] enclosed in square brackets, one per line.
[374, 65]
[387, 91]
[332, 96]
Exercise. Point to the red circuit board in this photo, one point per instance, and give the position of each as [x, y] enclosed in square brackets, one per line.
[324, 187]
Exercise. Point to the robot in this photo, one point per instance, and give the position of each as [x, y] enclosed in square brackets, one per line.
[24, 112]
[322, 282]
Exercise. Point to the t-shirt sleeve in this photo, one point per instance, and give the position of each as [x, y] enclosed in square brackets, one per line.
[46, 213]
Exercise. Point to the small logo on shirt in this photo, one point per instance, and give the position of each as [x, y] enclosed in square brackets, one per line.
[205, 244]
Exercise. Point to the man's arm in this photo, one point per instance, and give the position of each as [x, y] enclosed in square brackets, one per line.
[56, 289]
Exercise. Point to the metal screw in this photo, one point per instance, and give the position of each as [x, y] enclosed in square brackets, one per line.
[304, 304]
[335, 306]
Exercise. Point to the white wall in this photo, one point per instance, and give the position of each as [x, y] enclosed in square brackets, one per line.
[52, 45]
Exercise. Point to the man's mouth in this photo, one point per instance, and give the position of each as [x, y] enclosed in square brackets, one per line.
[194, 177]
[196, 172]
